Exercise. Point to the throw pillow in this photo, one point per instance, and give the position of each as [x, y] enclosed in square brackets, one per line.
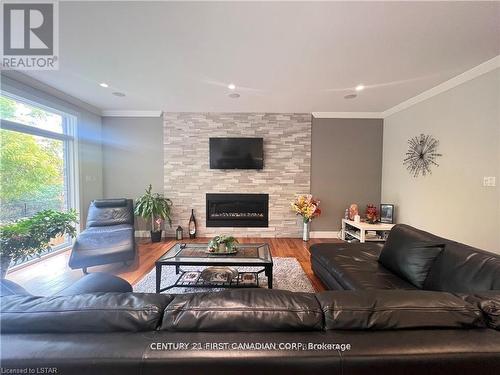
[410, 261]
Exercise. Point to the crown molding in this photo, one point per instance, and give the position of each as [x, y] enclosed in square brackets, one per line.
[468, 75]
[126, 113]
[42, 89]
[347, 114]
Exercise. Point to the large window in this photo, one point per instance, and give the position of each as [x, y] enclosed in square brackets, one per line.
[37, 163]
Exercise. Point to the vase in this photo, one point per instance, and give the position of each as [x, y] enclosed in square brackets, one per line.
[4, 266]
[222, 248]
[305, 234]
[156, 236]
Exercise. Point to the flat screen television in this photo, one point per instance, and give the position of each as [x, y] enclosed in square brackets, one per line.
[236, 153]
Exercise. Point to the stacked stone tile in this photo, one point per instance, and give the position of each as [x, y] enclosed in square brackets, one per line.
[287, 166]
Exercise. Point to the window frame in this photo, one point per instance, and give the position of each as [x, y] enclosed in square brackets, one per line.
[69, 137]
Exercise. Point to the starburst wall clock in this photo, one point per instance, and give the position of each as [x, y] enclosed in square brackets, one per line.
[421, 155]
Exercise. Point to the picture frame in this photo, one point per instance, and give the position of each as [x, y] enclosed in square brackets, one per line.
[387, 213]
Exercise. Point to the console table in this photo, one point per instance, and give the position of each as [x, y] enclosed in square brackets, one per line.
[359, 230]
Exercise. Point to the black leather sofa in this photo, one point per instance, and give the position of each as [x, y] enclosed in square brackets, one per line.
[455, 268]
[248, 331]
[108, 237]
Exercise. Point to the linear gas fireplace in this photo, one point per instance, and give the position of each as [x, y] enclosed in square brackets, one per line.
[237, 210]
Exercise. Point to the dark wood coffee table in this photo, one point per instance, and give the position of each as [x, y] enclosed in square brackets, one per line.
[248, 255]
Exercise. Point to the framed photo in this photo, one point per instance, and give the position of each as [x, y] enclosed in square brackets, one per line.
[387, 213]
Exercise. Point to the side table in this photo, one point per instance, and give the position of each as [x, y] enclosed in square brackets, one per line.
[359, 230]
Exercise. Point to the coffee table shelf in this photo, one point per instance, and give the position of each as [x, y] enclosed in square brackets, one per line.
[200, 283]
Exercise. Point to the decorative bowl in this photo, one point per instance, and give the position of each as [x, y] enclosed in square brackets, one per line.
[219, 274]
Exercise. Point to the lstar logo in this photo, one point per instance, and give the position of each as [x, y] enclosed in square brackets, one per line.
[30, 31]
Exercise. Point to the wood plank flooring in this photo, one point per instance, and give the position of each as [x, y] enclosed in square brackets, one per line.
[53, 274]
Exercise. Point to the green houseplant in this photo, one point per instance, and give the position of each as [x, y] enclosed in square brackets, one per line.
[222, 244]
[154, 207]
[30, 237]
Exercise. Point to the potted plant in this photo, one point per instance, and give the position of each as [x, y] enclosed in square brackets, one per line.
[307, 207]
[154, 207]
[30, 237]
[222, 244]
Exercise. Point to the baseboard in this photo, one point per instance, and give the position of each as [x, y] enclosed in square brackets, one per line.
[313, 234]
[325, 234]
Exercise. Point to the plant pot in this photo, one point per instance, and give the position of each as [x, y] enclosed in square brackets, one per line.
[305, 234]
[222, 248]
[4, 266]
[156, 236]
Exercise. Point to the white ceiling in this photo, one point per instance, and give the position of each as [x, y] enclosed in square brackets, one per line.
[283, 57]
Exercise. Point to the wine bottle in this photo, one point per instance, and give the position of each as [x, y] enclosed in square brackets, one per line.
[192, 225]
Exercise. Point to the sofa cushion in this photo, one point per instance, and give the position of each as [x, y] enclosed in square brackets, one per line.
[243, 310]
[461, 268]
[101, 245]
[355, 266]
[458, 268]
[409, 260]
[99, 312]
[397, 309]
[120, 202]
[110, 212]
[10, 288]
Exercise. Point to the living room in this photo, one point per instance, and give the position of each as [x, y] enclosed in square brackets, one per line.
[298, 162]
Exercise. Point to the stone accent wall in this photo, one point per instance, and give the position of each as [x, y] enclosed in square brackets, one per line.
[287, 167]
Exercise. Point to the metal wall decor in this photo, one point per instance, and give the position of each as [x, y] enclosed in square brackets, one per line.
[421, 155]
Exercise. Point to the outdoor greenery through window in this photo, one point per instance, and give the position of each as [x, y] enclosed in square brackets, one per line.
[36, 161]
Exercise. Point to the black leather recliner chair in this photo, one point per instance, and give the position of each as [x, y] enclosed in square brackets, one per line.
[108, 237]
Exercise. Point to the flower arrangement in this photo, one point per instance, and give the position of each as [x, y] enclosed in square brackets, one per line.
[306, 206]
[222, 244]
[371, 214]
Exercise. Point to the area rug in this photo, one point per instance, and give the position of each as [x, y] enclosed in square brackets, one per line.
[287, 275]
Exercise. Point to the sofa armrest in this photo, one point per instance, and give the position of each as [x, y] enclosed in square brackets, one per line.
[10, 288]
[95, 283]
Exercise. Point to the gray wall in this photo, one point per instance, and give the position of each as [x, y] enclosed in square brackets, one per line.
[346, 167]
[88, 128]
[452, 201]
[132, 157]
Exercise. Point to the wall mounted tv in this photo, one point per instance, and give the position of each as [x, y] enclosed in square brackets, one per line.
[236, 153]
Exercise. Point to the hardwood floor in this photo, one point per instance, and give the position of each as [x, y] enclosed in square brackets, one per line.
[53, 274]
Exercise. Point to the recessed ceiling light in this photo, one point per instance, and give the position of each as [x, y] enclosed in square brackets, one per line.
[231, 86]
[119, 94]
[360, 87]
[234, 95]
[350, 96]
[103, 84]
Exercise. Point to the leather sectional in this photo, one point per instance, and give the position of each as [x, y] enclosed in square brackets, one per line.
[380, 325]
[356, 266]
